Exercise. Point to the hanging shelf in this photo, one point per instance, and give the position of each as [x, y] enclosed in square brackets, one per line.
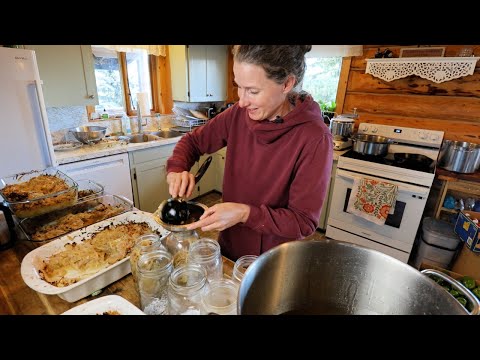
[436, 69]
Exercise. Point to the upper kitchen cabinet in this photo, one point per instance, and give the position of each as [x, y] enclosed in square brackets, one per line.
[68, 74]
[199, 72]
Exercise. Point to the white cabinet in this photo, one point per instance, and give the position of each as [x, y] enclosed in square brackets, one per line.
[326, 205]
[68, 74]
[199, 72]
[113, 172]
[149, 176]
[208, 181]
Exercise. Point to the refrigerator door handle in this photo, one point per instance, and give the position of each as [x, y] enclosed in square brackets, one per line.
[46, 128]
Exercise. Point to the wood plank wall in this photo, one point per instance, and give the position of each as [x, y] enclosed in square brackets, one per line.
[452, 106]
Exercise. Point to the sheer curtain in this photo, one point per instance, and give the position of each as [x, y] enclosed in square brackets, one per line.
[157, 50]
[319, 51]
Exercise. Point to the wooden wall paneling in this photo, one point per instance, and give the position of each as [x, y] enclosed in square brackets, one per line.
[452, 106]
[370, 50]
[342, 84]
[454, 129]
[437, 107]
[469, 85]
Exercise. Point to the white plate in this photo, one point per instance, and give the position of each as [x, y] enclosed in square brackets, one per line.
[33, 261]
[105, 304]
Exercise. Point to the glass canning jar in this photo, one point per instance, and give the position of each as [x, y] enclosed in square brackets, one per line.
[220, 297]
[241, 266]
[154, 269]
[186, 286]
[178, 244]
[144, 244]
[206, 252]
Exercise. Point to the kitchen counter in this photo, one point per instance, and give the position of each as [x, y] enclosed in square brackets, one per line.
[337, 153]
[107, 147]
[17, 298]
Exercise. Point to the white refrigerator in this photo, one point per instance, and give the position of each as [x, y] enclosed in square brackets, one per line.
[25, 143]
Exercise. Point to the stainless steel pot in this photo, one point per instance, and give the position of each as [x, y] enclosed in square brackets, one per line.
[459, 156]
[335, 277]
[371, 144]
[341, 127]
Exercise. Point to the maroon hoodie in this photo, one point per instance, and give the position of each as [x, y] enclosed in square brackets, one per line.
[281, 170]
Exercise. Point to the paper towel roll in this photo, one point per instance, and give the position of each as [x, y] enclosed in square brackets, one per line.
[142, 98]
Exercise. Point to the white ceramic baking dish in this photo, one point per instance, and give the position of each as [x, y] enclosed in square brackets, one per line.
[104, 305]
[32, 262]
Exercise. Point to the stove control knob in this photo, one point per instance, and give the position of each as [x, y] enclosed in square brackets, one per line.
[374, 130]
[423, 135]
[364, 128]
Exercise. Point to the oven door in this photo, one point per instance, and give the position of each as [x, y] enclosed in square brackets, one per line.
[400, 228]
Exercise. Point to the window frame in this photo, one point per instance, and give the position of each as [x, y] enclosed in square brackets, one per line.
[158, 105]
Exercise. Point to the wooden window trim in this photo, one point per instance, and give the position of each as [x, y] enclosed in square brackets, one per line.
[160, 85]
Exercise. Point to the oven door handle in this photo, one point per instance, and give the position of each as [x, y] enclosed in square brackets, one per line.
[401, 186]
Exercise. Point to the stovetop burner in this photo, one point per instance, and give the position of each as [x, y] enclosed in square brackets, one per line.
[389, 160]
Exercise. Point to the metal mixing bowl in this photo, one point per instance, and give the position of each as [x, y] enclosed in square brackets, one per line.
[89, 134]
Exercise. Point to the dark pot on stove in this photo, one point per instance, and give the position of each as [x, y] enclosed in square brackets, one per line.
[371, 144]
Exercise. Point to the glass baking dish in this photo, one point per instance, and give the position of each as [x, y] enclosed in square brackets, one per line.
[88, 188]
[86, 212]
[32, 194]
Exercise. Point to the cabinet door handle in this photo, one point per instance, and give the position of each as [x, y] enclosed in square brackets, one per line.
[91, 96]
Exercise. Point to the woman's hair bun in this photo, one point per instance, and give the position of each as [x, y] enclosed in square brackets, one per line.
[306, 48]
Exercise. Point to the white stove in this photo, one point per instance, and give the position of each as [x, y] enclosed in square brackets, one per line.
[414, 180]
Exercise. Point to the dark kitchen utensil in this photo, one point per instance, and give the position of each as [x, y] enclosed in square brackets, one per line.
[177, 211]
[414, 158]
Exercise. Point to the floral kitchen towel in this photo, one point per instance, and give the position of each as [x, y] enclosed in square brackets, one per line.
[372, 199]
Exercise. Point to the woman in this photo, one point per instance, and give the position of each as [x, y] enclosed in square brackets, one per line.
[279, 155]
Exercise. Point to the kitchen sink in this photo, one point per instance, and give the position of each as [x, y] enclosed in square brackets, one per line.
[166, 134]
[139, 138]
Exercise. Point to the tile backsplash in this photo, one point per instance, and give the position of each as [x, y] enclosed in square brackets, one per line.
[62, 118]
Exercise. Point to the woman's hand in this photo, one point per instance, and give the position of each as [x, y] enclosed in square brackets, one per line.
[180, 184]
[221, 216]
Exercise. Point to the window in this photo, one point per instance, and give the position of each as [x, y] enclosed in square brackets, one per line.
[119, 78]
[321, 78]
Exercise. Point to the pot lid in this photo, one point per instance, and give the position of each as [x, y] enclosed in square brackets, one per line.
[342, 118]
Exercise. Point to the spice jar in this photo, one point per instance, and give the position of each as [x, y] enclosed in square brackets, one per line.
[178, 244]
[186, 286]
[154, 269]
[144, 244]
[206, 252]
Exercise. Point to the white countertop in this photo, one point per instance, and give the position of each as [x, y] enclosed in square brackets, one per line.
[105, 148]
[112, 147]
[337, 153]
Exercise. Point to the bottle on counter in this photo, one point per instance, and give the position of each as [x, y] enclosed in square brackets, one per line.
[126, 127]
[105, 114]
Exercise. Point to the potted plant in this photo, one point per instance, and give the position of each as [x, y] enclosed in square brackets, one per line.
[328, 110]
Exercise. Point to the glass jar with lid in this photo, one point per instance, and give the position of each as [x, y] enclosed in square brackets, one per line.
[178, 244]
[206, 252]
[154, 269]
[144, 244]
[186, 286]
